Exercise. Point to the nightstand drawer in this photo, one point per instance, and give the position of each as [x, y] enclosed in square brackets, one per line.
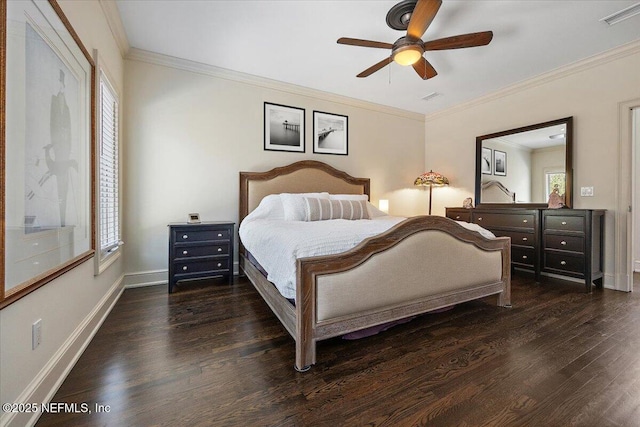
[208, 264]
[564, 223]
[188, 251]
[201, 235]
[564, 243]
[564, 262]
[519, 220]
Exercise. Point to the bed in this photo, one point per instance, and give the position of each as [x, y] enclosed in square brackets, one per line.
[385, 278]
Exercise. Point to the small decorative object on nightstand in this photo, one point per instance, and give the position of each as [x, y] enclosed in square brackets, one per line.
[200, 250]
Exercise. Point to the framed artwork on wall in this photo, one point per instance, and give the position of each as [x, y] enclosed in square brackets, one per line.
[283, 128]
[487, 161]
[330, 133]
[47, 129]
[499, 163]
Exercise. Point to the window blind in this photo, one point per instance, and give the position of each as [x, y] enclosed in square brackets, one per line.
[109, 207]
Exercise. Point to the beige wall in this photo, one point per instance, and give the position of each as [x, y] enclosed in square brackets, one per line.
[71, 306]
[189, 134]
[589, 92]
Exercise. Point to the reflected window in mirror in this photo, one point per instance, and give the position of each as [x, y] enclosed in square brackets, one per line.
[527, 164]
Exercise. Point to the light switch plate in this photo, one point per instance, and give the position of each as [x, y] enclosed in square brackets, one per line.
[586, 191]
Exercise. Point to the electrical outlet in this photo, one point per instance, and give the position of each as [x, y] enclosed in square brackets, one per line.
[586, 191]
[36, 334]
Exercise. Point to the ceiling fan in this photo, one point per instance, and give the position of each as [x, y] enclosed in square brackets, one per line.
[415, 16]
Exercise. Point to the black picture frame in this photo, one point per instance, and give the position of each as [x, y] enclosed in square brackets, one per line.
[499, 163]
[330, 133]
[486, 161]
[284, 128]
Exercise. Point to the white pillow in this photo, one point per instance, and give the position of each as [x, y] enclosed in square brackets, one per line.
[325, 209]
[375, 212]
[294, 204]
[349, 197]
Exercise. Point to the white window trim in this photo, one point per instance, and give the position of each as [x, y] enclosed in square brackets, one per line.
[104, 260]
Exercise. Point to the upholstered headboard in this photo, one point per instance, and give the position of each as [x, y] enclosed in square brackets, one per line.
[307, 176]
[495, 192]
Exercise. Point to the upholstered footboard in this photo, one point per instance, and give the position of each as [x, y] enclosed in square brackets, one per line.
[421, 264]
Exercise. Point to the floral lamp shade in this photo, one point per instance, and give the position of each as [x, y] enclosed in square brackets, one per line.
[431, 179]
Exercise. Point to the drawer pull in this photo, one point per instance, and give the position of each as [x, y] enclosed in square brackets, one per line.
[185, 236]
[525, 221]
[563, 262]
[563, 243]
[480, 219]
[524, 239]
[219, 249]
[564, 222]
[185, 252]
[524, 257]
[219, 264]
[457, 216]
[185, 268]
[219, 234]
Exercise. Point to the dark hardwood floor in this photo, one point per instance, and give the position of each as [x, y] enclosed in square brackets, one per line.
[214, 355]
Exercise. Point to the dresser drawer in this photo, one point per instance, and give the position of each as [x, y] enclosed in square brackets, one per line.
[201, 235]
[511, 220]
[199, 266]
[562, 262]
[525, 257]
[459, 216]
[198, 250]
[564, 243]
[564, 223]
[517, 237]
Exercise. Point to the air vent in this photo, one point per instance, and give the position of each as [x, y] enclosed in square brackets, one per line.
[430, 96]
[622, 14]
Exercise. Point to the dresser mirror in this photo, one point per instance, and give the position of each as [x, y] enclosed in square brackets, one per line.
[522, 167]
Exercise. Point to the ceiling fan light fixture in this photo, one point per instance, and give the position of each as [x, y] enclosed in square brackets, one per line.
[407, 55]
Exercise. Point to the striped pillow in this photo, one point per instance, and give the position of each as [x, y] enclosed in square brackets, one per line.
[324, 209]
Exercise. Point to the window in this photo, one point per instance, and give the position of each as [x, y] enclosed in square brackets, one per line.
[108, 212]
[554, 179]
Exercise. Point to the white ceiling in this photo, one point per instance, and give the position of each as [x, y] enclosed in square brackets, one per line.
[295, 42]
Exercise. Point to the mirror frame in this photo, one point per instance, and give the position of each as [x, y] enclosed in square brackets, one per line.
[568, 121]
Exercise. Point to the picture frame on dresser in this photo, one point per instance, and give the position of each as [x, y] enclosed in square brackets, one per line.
[330, 133]
[284, 128]
[47, 133]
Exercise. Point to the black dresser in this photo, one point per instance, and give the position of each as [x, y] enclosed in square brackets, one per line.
[200, 250]
[566, 242]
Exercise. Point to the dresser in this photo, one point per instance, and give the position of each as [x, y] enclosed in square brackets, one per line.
[565, 242]
[199, 251]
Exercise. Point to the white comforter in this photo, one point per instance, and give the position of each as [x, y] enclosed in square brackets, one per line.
[277, 243]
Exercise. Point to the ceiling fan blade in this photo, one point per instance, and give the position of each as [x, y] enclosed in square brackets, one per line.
[364, 43]
[376, 67]
[424, 69]
[421, 18]
[461, 41]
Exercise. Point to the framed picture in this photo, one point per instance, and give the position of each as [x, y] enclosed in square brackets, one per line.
[330, 133]
[47, 132]
[283, 128]
[486, 160]
[499, 163]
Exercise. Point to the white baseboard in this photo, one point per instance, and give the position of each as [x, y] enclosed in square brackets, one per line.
[636, 265]
[45, 385]
[155, 277]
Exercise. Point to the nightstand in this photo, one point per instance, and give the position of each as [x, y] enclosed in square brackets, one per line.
[200, 250]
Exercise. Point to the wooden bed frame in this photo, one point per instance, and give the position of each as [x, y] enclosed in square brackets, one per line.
[408, 270]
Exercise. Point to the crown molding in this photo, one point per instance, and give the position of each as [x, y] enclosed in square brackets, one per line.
[140, 55]
[111, 12]
[559, 73]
